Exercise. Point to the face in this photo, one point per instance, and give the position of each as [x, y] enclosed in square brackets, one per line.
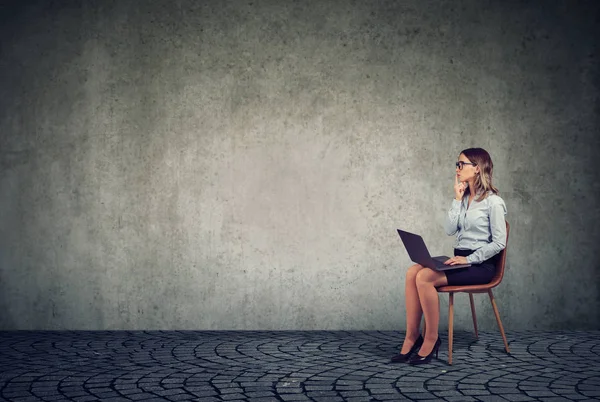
[468, 171]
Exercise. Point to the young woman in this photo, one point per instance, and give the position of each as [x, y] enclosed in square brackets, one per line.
[477, 217]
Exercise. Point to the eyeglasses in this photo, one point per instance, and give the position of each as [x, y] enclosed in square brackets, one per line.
[461, 164]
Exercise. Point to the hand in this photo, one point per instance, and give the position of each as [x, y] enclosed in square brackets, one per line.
[456, 260]
[459, 188]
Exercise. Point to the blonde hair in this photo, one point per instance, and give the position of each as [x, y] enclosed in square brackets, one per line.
[483, 180]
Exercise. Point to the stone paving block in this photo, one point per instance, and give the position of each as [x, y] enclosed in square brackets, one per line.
[396, 397]
[350, 382]
[460, 398]
[412, 390]
[107, 395]
[540, 393]
[54, 398]
[537, 386]
[228, 397]
[295, 397]
[308, 387]
[321, 394]
[348, 387]
[576, 397]
[290, 390]
[440, 387]
[353, 394]
[444, 394]
[589, 387]
[259, 394]
[140, 396]
[475, 392]
[182, 397]
[504, 391]
[419, 396]
[228, 390]
[78, 394]
[491, 398]
[377, 385]
[86, 398]
[169, 392]
[463, 387]
[518, 397]
[220, 385]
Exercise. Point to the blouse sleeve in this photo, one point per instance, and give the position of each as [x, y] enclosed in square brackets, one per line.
[451, 223]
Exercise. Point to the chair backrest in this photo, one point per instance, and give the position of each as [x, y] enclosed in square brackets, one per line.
[501, 262]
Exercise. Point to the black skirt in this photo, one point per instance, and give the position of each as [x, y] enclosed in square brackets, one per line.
[476, 274]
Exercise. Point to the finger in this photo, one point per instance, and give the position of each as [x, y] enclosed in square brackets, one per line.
[456, 179]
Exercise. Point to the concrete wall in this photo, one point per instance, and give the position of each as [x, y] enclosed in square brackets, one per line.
[245, 164]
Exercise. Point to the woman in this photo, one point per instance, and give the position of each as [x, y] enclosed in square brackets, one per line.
[477, 217]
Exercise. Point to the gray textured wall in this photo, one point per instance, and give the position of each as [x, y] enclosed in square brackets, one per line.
[244, 164]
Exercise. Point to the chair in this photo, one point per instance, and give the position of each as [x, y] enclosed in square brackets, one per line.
[471, 289]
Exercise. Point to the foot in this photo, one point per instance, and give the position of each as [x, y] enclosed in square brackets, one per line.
[403, 357]
[417, 359]
[428, 345]
[408, 344]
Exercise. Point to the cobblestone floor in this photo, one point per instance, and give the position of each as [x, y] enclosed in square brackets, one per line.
[293, 366]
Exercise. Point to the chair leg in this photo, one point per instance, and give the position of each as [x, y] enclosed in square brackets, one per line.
[450, 325]
[497, 314]
[473, 314]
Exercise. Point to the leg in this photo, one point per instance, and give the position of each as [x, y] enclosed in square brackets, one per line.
[427, 281]
[413, 308]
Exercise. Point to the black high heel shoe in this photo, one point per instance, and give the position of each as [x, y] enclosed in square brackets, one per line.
[401, 358]
[417, 359]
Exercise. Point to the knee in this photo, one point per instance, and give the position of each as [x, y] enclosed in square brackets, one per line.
[424, 277]
[411, 274]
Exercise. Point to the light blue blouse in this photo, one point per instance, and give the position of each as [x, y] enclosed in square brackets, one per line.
[479, 227]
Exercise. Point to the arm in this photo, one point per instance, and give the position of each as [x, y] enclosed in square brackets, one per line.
[497, 212]
[451, 223]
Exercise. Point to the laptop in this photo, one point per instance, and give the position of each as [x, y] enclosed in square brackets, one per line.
[418, 253]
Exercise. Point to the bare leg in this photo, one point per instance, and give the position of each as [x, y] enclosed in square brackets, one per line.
[427, 280]
[413, 308]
